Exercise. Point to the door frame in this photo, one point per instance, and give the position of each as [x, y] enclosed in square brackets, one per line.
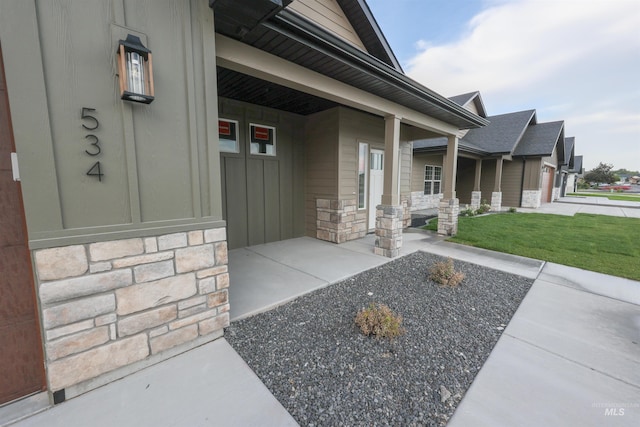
[372, 211]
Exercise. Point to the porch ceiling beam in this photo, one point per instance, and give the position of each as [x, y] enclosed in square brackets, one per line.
[245, 59]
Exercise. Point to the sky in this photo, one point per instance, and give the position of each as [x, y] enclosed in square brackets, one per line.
[571, 60]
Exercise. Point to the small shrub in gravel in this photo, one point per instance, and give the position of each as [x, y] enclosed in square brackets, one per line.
[324, 374]
[379, 320]
[445, 273]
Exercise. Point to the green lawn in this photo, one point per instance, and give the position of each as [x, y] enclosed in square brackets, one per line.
[600, 243]
[610, 196]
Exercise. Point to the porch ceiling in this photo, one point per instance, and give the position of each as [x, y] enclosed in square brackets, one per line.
[241, 87]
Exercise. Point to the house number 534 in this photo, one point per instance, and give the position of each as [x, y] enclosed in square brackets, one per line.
[91, 123]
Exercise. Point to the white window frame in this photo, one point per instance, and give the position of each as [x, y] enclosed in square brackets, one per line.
[432, 181]
[363, 161]
[237, 140]
[251, 143]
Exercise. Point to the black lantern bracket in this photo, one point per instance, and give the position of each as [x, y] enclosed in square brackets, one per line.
[135, 70]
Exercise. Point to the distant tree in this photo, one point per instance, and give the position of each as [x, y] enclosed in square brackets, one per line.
[601, 174]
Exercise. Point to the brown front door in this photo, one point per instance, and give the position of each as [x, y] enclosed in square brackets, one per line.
[21, 362]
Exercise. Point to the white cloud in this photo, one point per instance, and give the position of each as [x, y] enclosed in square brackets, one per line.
[572, 60]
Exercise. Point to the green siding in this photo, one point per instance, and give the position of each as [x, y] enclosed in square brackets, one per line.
[160, 161]
[263, 195]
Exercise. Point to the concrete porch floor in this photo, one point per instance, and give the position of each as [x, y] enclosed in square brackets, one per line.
[569, 356]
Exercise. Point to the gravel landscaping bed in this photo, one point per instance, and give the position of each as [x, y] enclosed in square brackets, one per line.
[315, 361]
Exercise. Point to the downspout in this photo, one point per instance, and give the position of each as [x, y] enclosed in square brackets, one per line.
[522, 181]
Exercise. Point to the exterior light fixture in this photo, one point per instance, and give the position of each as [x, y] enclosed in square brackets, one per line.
[135, 70]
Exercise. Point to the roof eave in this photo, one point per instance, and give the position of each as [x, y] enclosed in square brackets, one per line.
[313, 36]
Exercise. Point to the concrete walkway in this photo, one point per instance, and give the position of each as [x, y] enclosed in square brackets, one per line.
[588, 205]
[570, 355]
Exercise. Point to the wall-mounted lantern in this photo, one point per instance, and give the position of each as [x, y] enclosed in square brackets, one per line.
[135, 70]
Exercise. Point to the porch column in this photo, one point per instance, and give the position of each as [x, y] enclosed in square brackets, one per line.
[449, 205]
[390, 213]
[476, 194]
[496, 196]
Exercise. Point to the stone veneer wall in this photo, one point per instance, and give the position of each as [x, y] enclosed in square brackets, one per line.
[496, 201]
[531, 198]
[448, 212]
[389, 220]
[405, 201]
[556, 193]
[339, 221]
[108, 305]
[476, 199]
[419, 200]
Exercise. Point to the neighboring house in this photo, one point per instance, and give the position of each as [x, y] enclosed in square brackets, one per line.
[514, 161]
[575, 172]
[267, 120]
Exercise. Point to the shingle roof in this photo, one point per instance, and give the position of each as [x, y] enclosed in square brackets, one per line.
[540, 139]
[438, 144]
[569, 143]
[503, 132]
[466, 98]
[577, 164]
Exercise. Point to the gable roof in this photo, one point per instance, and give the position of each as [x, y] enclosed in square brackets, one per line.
[467, 98]
[569, 143]
[364, 23]
[503, 132]
[577, 165]
[541, 140]
[290, 36]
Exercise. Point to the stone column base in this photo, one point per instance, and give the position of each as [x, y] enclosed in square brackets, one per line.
[496, 201]
[405, 200]
[339, 221]
[448, 212]
[389, 220]
[555, 195]
[476, 199]
[531, 198]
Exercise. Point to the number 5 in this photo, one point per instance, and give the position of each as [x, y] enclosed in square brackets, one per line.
[84, 115]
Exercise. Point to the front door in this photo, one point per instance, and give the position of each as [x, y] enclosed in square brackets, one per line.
[21, 361]
[376, 183]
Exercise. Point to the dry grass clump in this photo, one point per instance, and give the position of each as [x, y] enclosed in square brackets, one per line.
[443, 272]
[379, 320]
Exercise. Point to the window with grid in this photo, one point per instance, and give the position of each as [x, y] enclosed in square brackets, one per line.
[432, 179]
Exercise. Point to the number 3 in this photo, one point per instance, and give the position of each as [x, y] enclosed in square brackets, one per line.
[95, 144]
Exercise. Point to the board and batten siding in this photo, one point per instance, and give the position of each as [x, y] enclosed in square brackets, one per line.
[262, 195]
[488, 179]
[329, 15]
[321, 163]
[465, 179]
[512, 182]
[160, 161]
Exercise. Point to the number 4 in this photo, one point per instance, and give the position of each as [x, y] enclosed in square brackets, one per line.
[96, 171]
